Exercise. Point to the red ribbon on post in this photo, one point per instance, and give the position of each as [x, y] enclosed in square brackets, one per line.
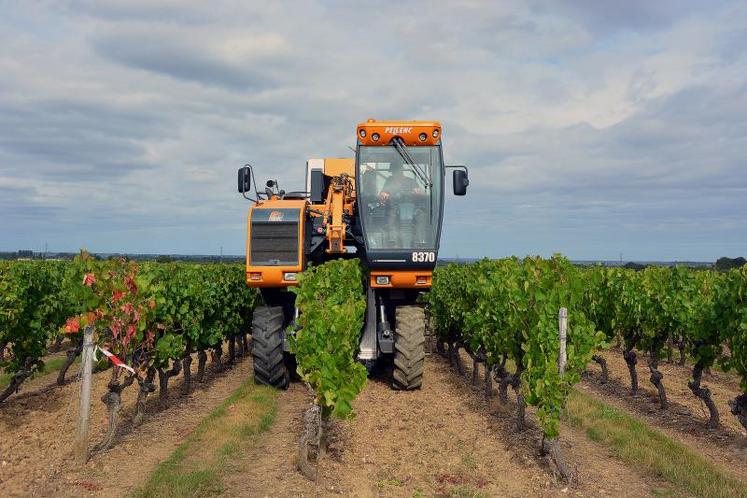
[116, 360]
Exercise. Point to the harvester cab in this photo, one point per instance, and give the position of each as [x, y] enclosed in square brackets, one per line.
[385, 207]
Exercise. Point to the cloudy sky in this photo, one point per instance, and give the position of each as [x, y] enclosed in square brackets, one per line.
[590, 127]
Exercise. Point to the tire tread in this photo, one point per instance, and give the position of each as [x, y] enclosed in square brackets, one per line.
[409, 348]
[267, 347]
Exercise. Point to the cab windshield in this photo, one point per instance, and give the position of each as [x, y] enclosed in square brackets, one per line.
[399, 193]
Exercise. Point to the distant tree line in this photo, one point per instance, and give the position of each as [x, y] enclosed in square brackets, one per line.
[725, 263]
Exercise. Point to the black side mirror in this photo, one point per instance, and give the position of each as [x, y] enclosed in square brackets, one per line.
[245, 179]
[461, 181]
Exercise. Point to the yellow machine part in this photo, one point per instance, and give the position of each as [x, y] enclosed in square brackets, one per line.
[338, 166]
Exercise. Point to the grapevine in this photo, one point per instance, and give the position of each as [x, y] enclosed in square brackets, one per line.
[331, 304]
[509, 308]
[152, 316]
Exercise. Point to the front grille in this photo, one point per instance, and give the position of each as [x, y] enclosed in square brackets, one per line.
[274, 243]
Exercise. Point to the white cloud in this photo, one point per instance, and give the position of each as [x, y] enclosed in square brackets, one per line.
[583, 123]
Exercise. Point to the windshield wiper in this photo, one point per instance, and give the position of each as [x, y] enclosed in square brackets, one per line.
[399, 145]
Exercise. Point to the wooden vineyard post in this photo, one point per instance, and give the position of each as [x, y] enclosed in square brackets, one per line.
[551, 446]
[562, 332]
[84, 410]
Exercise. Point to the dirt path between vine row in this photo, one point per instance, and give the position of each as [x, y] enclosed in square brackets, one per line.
[443, 440]
[723, 386]
[685, 418]
[37, 429]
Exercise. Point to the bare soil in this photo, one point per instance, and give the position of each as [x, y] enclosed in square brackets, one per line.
[685, 418]
[442, 440]
[37, 429]
[598, 472]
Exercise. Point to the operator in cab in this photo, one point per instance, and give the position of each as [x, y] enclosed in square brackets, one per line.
[398, 185]
[403, 199]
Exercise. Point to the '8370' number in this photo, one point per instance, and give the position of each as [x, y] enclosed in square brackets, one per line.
[423, 256]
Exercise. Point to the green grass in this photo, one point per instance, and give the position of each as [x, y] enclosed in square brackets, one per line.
[465, 492]
[650, 451]
[197, 466]
[382, 483]
[51, 365]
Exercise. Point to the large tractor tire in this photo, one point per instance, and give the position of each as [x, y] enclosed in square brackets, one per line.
[409, 348]
[267, 347]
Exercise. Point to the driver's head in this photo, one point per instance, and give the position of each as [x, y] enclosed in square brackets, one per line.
[396, 167]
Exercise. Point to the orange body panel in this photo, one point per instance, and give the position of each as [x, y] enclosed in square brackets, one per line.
[409, 131]
[402, 279]
[272, 276]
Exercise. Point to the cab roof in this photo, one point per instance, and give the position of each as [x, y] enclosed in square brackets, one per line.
[413, 133]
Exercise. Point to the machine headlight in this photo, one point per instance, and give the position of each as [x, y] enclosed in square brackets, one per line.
[290, 276]
[382, 280]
